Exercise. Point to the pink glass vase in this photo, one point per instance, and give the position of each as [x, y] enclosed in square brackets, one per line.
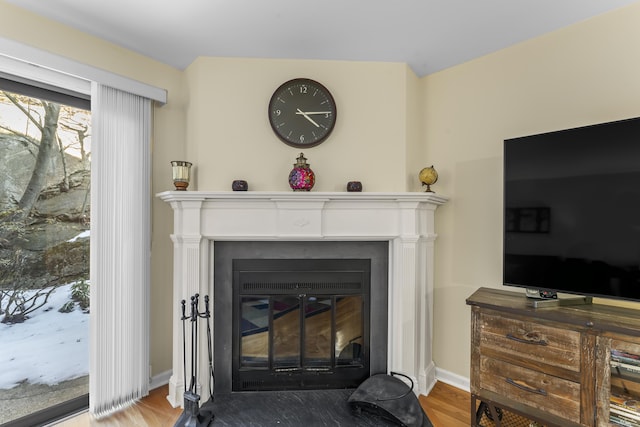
[301, 177]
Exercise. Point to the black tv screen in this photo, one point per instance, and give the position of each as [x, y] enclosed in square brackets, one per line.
[572, 211]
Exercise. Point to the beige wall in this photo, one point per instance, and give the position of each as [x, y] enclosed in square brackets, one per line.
[584, 74]
[390, 124]
[229, 136]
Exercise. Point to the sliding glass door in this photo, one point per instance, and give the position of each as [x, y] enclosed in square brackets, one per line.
[45, 157]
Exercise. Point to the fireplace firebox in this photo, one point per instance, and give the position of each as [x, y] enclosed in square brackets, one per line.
[300, 323]
[299, 315]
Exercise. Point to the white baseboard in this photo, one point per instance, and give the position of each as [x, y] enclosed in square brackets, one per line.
[159, 380]
[452, 379]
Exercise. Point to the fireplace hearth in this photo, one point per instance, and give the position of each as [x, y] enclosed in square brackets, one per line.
[402, 222]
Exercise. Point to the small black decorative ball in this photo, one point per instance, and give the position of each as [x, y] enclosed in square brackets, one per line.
[354, 186]
[239, 185]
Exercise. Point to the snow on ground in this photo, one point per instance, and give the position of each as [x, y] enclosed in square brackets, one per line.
[85, 233]
[47, 348]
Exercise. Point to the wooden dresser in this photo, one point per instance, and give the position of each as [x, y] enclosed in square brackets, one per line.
[549, 365]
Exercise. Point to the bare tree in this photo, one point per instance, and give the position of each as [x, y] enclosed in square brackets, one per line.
[80, 128]
[79, 125]
[48, 138]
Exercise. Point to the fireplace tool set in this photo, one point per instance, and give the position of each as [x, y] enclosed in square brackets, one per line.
[194, 415]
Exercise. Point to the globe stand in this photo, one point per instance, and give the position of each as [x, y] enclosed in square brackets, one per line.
[428, 190]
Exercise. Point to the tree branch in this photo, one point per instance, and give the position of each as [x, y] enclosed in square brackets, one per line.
[26, 140]
[24, 110]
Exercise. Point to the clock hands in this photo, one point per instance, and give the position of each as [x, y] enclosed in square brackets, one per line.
[312, 112]
[305, 115]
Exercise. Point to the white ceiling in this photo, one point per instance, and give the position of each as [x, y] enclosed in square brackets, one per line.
[429, 35]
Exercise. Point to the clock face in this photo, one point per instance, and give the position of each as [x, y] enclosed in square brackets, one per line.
[302, 113]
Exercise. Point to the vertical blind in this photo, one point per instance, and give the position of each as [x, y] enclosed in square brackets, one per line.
[120, 249]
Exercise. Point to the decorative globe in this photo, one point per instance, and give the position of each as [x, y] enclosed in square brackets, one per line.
[428, 176]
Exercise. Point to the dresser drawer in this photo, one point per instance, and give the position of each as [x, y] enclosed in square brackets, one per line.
[547, 393]
[529, 343]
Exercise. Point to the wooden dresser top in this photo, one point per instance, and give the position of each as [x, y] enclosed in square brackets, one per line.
[595, 316]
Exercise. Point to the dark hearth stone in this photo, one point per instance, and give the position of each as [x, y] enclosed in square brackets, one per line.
[306, 408]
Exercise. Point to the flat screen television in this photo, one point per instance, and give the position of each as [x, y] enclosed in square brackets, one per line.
[572, 211]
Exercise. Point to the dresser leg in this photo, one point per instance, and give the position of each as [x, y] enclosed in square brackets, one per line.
[495, 415]
[477, 412]
[489, 409]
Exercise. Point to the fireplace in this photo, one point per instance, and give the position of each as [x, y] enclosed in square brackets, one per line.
[403, 223]
[299, 315]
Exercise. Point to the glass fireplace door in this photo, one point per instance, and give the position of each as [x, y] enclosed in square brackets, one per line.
[309, 334]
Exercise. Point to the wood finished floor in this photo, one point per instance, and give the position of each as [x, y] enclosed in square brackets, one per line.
[446, 406]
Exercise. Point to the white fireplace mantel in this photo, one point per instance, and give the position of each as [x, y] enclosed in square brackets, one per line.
[405, 220]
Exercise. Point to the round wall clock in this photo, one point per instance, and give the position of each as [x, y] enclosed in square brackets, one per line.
[302, 113]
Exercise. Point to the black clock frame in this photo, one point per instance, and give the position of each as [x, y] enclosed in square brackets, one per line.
[304, 123]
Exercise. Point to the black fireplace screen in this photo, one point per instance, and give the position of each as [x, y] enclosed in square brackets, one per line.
[300, 324]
